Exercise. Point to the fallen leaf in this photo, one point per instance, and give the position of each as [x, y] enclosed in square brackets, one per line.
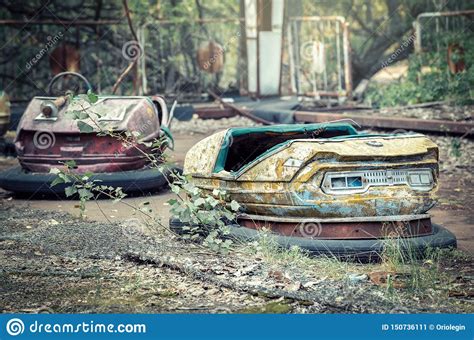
[381, 278]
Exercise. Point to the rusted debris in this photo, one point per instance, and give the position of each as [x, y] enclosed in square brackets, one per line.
[426, 125]
[65, 57]
[210, 57]
[214, 112]
[328, 114]
[456, 51]
[239, 110]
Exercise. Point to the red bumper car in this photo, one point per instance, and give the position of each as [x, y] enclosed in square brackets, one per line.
[48, 136]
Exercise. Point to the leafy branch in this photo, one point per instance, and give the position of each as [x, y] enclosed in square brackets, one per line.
[207, 214]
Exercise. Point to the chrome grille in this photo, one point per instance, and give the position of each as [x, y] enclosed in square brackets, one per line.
[359, 181]
[386, 177]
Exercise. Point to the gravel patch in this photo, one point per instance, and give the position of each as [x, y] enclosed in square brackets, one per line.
[205, 126]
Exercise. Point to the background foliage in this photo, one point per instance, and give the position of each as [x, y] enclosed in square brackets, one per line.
[378, 28]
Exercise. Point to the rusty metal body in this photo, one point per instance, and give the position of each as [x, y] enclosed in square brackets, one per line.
[43, 140]
[342, 228]
[286, 175]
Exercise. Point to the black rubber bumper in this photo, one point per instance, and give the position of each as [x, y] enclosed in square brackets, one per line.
[351, 248]
[143, 181]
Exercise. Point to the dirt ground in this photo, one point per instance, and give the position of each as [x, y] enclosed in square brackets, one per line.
[52, 261]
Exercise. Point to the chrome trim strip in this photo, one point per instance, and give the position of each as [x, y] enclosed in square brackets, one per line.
[393, 218]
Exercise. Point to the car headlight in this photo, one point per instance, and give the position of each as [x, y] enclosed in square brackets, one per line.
[420, 178]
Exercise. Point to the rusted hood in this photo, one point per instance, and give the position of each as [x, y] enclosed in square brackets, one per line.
[282, 164]
[115, 113]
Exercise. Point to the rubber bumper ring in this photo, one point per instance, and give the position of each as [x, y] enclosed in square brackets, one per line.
[145, 180]
[350, 248]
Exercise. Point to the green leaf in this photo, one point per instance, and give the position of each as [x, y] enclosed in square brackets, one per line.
[85, 194]
[70, 164]
[57, 180]
[77, 114]
[69, 191]
[89, 174]
[65, 178]
[212, 201]
[54, 171]
[82, 115]
[234, 206]
[228, 214]
[200, 201]
[84, 127]
[175, 189]
[93, 98]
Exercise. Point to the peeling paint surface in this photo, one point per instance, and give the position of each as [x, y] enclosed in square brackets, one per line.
[201, 158]
[269, 187]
